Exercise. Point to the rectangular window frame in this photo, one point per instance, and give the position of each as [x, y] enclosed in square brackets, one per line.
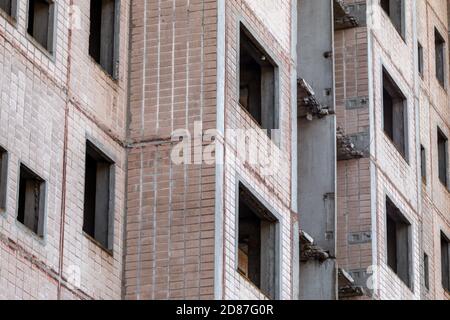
[49, 48]
[390, 87]
[273, 217]
[12, 14]
[426, 271]
[445, 261]
[258, 45]
[387, 7]
[21, 216]
[443, 158]
[93, 150]
[423, 164]
[114, 73]
[420, 63]
[3, 178]
[440, 58]
[404, 273]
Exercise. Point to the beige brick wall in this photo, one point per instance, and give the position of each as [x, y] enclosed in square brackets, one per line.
[170, 211]
[426, 206]
[434, 112]
[36, 91]
[353, 176]
[170, 218]
[172, 226]
[273, 187]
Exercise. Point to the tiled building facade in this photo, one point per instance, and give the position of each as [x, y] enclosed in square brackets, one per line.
[133, 85]
[366, 57]
[54, 98]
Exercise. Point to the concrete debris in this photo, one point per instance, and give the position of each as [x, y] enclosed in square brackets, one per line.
[309, 106]
[343, 19]
[346, 150]
[312, 252]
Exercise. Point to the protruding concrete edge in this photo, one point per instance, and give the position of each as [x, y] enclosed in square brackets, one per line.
[294, 171]
[219, 172]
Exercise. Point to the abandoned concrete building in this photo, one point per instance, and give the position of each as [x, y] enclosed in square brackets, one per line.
[327, 122]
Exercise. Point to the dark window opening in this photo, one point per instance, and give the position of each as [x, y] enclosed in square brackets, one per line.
[102, 34]
[6, 6]
[443, 158]
[398, 242]
[31, 201]
[40, 22]
[423, 164]
[426, 271]
[420, 59]
[439, 44]
[257, 252]
[98, 196]
[3, 177]
[395, 11]
[257, 93]
[445, 259]
[395, 114]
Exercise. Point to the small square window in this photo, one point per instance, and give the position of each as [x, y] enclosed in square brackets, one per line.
[420, 59]
[257, 243]
[31, 207]
[423, 163]
[439, 44]
[103, 36]
[395, 11]
[98, 196]
[426, 271]
[398, 231]
[3, 177]
[9, 7]
[395, 115]
[442, 157]
[257, 84]
[445, 259]
[40, 22]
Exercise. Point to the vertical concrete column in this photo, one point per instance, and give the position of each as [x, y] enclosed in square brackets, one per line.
[317, 147]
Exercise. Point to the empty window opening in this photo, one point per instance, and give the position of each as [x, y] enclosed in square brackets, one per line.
[40, 22]
[7, 6]
[102, 37]
[445, 259]
[398, 242]
[442, 157]
[394, 114]
[423, 163]
[3, 177]
[257, 93]
[31, 201]
[257, 249]
[395, 11]
[98, 196]
[426, 271]
[439, 44]
[420, 59]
